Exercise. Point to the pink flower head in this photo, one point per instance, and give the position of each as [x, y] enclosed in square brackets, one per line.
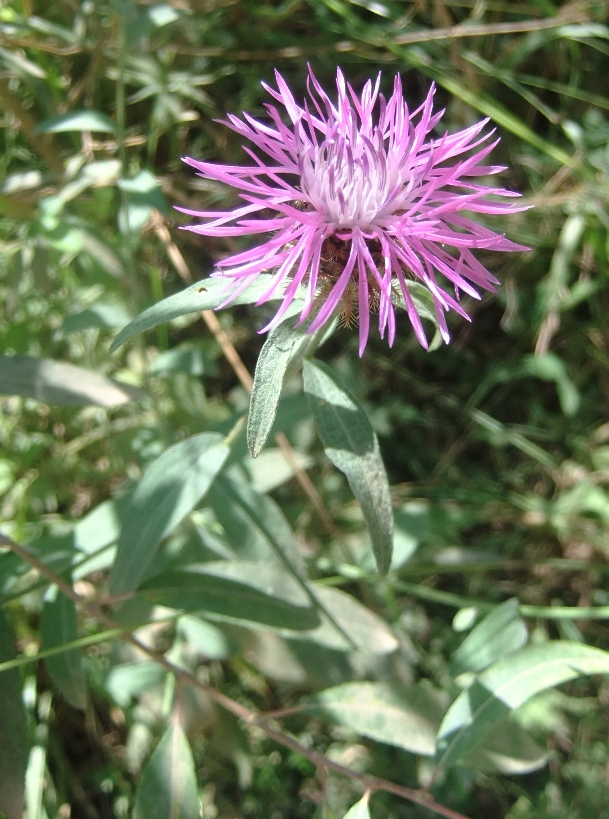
[356, 200]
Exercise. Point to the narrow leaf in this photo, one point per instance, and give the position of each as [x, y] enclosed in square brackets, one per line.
[77, 121]
[168, 786]
[245, 591]
[58, 627]
[364, 629]
[284, 345]
[55, 382]
[170, 488]
[405, 716]
[501, 632]
[352, 446]
[13, 731]
[204, 295]
[360, 809]
[508, 684]
[254, 525]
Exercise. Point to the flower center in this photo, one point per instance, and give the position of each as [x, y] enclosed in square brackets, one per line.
[352, 180]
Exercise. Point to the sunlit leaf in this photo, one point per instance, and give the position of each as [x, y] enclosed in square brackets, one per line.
[168, 784]
[204, 295]
[352, 446]
[501, 632]
[56, 382]
[508, 684]
[77, 121]
[169, 489]
[237, 590]
[405, 716]
[360, 809]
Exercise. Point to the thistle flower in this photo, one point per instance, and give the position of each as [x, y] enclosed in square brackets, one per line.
[356, 200]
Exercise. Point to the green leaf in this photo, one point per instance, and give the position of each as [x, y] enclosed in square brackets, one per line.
[508, 684]
[366, 630]
[360, 809]
[170, 488]
[55, 382]
[168, 785]
[247, 591]
[59, 625]
[501, 632]
[507, 750]
[254, 525]
[204, 295]
[352, 446]
[284, 345]
[13, 731]
[405, 716]
[77, 121]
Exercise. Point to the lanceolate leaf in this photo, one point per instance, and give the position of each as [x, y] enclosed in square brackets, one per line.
[168, 786]
[284, 344]
[508, 684]
[405, 716]
[13, 731]
[56, 382]
[360, 809]
[244, 591]
[204, 295]
[352, 446]
[501, 632]
[59, 626]
[170, 488]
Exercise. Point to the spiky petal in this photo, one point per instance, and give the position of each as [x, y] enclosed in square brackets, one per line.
[355, 199]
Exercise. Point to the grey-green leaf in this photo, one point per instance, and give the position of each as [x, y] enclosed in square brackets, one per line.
[254, 524]
[508, 684]
[352, 446]
[56, 382]
[251, 592]
[170, 488]
[367, 632]
[59, 626]
[204, 295]
[360, 809]
[501, 632]
[13, 731]
[405, 716]
[168, 785]
[285, 344]
[77, 121]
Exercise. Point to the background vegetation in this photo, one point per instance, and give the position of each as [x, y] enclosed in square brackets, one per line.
[496, 447]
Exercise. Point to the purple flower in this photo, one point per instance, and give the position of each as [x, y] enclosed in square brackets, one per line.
[356, 200]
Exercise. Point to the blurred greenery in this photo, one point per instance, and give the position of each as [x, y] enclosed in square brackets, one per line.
[496, 447]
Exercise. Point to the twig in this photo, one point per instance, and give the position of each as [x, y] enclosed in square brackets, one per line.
[321, 761]
[241, 371]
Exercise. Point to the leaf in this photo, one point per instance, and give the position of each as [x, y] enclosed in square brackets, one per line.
[501, 632]
[360, 809]
[508, 750]
[252, 592]
[284, 345]
[366, 630]
[168, 785]
[352, 446]
[254, 525]
[204, 295]
[507, 685]
[58, 626]
[77, 121]
[101, 315]
[13, 731]
[170, 488]
[405, 716]
[55, 382]
[550, 367]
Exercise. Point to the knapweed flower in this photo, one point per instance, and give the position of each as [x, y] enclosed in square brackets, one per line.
[357, 198]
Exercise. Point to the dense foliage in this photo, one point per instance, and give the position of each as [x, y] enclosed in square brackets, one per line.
[190, 631]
